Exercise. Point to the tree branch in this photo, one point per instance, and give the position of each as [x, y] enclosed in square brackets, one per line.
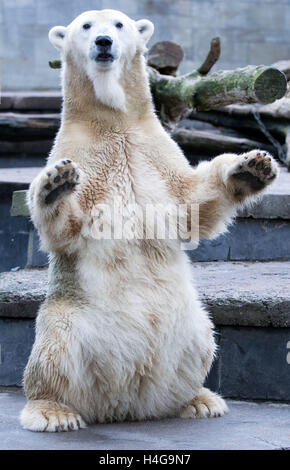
[212, 57]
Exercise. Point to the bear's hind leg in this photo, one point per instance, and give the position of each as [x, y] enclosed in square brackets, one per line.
[206, 404]
[45, 415]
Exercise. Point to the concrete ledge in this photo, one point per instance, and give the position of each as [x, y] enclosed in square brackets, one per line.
[245, 293]
[236, 293]
[21, 292]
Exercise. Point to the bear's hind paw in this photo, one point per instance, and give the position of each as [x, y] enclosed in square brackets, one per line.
[206, 405]
[43, 415]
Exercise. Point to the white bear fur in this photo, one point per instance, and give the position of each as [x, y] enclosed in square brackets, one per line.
[122, 333]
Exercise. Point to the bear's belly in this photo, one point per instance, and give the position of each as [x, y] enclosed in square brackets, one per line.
[143, 334]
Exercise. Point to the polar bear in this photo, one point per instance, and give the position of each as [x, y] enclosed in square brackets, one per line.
[122, 334]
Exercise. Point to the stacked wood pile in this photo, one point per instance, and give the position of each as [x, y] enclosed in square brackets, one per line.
[256, 121]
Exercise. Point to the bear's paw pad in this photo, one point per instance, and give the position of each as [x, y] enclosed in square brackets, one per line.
[256, 169]
[62, 177]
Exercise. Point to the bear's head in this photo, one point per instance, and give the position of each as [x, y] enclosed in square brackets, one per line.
[103, 44]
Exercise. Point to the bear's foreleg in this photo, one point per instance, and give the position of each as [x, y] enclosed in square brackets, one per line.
[226, 183]
[54, 205]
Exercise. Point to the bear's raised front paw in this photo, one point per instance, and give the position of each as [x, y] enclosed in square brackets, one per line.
[58, 179]
[256, 169]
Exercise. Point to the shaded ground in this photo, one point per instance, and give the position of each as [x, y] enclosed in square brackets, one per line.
[247, 426]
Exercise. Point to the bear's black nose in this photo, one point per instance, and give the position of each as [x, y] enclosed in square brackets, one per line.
[104, 41]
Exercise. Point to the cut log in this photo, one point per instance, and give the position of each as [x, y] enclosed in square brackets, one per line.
[283, 66]
[176, 95]
[165, 56]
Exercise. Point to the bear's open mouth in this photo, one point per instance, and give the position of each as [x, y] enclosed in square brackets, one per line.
[104, 57]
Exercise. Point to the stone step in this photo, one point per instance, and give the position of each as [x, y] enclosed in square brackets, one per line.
[28, 124]
[21, 125]
[24, 101]
[247, 426]
[249, 303]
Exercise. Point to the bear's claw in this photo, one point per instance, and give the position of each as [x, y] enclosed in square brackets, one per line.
[206, 405]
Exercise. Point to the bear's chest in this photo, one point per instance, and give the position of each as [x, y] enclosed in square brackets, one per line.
[122, 174]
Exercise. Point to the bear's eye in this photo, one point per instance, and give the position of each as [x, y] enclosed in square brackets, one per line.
[87, 26]
[119, 25]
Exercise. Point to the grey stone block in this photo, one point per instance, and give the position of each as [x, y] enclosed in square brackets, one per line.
[254, 363]
[213, 379]
[35, 257]
[272, 205]
[21, 292]
[13, 250]
[13, 238]
[245, 293]
[248, 239]
[16, 339]
[261, 240]
[212, 250]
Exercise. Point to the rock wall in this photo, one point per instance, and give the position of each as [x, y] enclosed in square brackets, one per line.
[252, 32]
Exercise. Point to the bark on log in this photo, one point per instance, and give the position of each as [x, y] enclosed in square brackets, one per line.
[283, 66]
[251, 84]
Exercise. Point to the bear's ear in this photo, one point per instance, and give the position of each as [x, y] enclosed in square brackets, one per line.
[146, 29]
[56, 36]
